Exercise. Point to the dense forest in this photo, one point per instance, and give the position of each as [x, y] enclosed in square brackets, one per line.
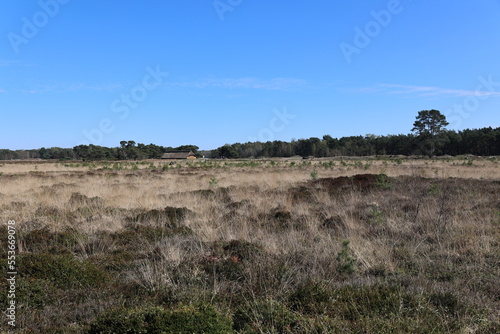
[482, 142]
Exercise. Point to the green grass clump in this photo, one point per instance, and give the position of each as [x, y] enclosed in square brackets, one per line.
[64, 271]
[31, 293]
[35, 293]
[185, 319]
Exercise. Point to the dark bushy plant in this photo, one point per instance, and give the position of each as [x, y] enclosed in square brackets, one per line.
[64, 271]
[185, 319]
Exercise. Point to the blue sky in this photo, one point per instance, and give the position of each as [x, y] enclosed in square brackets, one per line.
[174, 72]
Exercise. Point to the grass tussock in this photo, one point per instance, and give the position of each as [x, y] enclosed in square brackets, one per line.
[254, 248]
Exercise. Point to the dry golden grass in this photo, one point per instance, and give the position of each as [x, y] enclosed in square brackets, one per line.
[432, 227]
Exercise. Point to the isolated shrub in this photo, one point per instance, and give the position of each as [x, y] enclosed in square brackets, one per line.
[383, 182]
[346, 262]
[184, 319]
[375, 216]
[62, 270]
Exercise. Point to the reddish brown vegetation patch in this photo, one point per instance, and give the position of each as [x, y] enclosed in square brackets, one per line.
[362, 181]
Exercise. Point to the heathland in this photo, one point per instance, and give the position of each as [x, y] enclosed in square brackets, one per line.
[337, 245]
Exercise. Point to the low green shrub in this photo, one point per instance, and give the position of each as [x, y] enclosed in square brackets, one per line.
[346, 262]
[35, 293]
[30, 293]
[64, 271]
[186, 319]
[383, 182]
[375, 216]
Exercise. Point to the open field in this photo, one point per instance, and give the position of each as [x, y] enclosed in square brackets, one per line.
[255, 246]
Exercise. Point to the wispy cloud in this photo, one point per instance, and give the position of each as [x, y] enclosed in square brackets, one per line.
[283, 84]
[71, 87]
[5, 63]
[108, 87]
[275, 84]
[420, 91]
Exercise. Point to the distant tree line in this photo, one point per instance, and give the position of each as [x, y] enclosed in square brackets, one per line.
[126, 150]
[483, 142]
